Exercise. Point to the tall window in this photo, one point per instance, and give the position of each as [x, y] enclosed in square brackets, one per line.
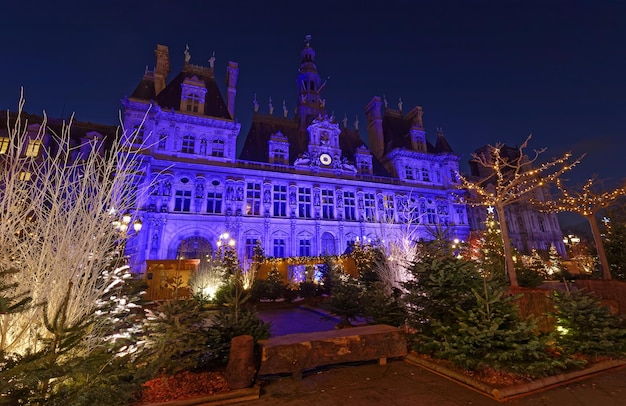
[408, 172]
[251, 242]
[214, 202]
[193, 102]
[304, 247]
[304, 202]
[453, 177]
[279, 248]
[162, 140]
[4, 145]
[32, 150]
[280, 201]
[349, 203]
[189, 144]
[182, 201]
[253, 198]
[138, 132]
[389, 207]
[370, 206]
[218, 148]
[425, 174]
[328, 204]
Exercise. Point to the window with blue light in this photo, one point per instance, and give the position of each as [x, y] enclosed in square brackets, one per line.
[182, 201]
[189, 144]
[328, 204]
[304, 202]
[280, 200]
[253, 198]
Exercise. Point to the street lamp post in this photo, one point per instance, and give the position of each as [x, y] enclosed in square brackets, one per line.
[122, 225]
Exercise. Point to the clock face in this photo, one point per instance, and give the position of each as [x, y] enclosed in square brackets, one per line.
[326, 159]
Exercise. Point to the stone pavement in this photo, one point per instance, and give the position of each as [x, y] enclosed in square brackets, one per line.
[401, 383]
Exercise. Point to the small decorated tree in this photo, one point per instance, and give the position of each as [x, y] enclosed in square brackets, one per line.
[511, 179]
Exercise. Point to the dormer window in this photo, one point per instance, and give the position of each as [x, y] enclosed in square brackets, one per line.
[193, 94]
[193, 103]
[189, 143]
[218, 148]
[32, 150]
[4, 145]
[279, 149]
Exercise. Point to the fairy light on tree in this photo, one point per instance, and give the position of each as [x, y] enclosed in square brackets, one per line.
[511, 179]
[586, 202]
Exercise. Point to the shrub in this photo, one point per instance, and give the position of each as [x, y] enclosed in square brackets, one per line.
[228, 324]
[587, 327]
[382, 308]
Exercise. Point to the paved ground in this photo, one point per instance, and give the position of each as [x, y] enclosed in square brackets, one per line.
[400, 383]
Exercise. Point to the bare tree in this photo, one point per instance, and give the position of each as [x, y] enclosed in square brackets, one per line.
[511, 179]
[57, 207]
[587, 203]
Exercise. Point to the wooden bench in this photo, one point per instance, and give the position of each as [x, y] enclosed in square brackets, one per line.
[295, 353]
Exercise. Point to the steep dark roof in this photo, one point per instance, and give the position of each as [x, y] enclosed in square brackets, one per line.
[169, 97]
[78, 129]
[214, 105]
[396, 132]
[442, 146]
[145, 89]
[255, 147]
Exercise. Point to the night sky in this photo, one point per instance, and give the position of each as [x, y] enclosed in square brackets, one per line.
[484, 71]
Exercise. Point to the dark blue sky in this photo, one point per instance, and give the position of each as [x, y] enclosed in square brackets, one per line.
[484, 71]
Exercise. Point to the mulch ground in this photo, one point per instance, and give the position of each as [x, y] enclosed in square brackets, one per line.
[183, 385]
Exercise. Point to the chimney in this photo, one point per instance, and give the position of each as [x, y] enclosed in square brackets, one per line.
[232, 71]
[162, 67]
[375, 127]
[415, 116]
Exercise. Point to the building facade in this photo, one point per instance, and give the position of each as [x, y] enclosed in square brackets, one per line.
[305, 185]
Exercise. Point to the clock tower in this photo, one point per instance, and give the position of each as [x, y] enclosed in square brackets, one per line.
[323, 146]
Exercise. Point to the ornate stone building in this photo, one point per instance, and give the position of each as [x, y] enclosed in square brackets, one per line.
[305, 185]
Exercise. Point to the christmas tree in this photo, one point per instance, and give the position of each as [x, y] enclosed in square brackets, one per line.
[491, 252]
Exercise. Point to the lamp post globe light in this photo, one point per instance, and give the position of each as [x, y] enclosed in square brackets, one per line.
[122, 225]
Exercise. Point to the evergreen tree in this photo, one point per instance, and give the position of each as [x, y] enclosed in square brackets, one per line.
[440, 282]
[491, 251]
[491, 334]
[345, 295]
[364, 256]
[532, 271]
[587, 327]
[555, 267]
[615, 247]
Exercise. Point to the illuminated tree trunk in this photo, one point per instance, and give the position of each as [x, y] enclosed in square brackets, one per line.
[508, 253]
[597, 238]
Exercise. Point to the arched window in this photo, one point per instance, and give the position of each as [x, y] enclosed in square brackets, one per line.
[328, 244]
[195, 248]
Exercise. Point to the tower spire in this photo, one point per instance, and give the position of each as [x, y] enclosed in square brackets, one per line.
[309, 83]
